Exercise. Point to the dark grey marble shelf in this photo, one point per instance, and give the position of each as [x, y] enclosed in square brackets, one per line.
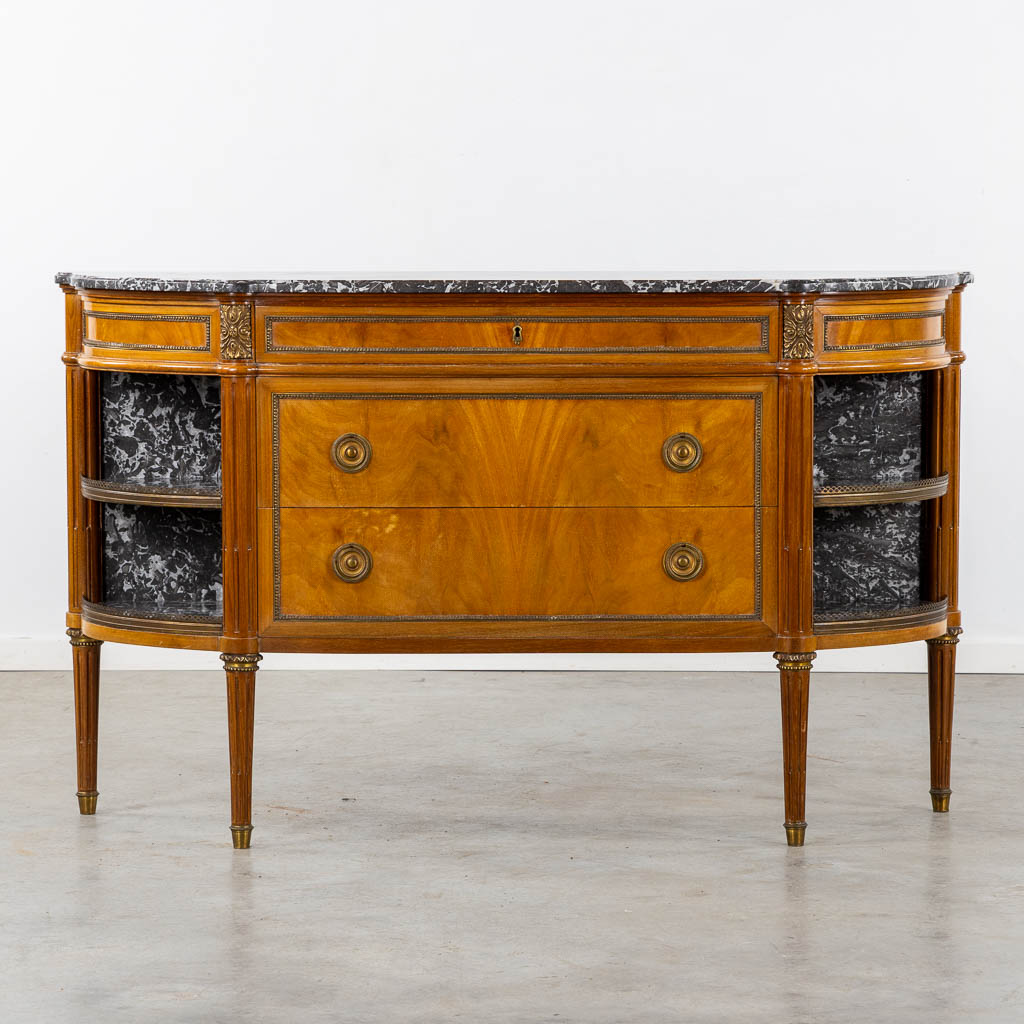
[206, 496]
[853, 620]
[171, 619]
[326, 285]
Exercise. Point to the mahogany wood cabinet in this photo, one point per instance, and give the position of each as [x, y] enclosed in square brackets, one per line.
[373, 466]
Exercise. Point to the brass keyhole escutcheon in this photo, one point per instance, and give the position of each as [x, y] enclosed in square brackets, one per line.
[351, 453]
[682, 452]
[517, 335]
[683, 562]
[351, 563]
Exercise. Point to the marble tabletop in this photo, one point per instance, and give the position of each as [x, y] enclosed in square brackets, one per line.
[410, 286]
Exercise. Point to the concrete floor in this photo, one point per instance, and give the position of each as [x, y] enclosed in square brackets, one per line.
[510, 847]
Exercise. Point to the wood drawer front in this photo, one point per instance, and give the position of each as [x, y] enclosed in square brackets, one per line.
[541, 450]
[890, 331]
[514, 563]
[292, 333]
[164, 332]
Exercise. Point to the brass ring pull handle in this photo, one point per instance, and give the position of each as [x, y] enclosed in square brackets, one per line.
[682, 452]
[351, 563]
[351, 453]
[683, 562]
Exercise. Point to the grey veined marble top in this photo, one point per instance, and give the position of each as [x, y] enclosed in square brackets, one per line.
[325, 285]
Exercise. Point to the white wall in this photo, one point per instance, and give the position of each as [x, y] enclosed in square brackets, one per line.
[578, 138]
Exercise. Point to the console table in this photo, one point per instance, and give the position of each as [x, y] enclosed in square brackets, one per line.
[383, 466]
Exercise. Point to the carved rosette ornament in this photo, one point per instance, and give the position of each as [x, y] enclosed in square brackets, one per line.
[235, 331]
[798, 331]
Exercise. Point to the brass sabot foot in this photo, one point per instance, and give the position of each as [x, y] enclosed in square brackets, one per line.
[241, 836]
[940, 800]
[87, 801]
[795, 833]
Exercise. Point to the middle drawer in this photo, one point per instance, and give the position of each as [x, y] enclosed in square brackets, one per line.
[681, 448]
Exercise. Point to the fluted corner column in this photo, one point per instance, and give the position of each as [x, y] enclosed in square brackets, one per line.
[941, 678]
[240, 670]
[794, 678]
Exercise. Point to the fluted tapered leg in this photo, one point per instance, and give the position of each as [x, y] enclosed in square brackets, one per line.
[941, 675]
[241, 679]
[85, 654]
[795, 678]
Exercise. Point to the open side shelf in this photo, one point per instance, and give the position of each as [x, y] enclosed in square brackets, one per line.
[855, 621]
[151, 494]
[163, 621]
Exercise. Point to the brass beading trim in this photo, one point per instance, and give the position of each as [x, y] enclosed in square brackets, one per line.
[795, 662]
[948, 639]
[830, 318]
[241, 663]
[511, 322]
[192, 318]
[78, 639]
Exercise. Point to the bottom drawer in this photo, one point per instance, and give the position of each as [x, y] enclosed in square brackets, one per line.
[512, 563]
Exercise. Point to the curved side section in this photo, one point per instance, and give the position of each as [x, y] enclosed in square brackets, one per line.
[103, 623]
[920, 623]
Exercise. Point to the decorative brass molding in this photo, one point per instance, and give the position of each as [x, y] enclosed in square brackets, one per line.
[927, 314]
[235, 331]
[950, 638]
[182, 318]
[241, 662]
[763, 321]
[799, 662]
[798, 331]
[79, 639]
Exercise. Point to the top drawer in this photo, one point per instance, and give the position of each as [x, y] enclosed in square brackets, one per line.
[889, 331]
[697, 444]
[363, 332]
[170, 332]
